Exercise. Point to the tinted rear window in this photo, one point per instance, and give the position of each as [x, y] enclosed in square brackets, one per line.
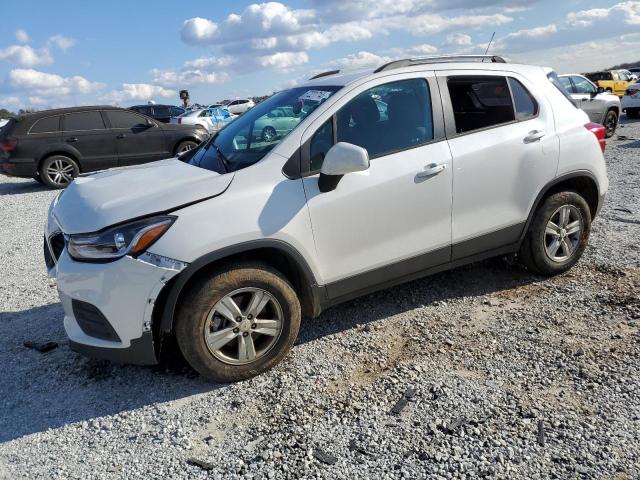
[46, 125]
[83, 121]
[525, 105]
[161, 111]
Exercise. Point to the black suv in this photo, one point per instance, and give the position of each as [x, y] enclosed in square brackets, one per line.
[162, 113]
[54, 146]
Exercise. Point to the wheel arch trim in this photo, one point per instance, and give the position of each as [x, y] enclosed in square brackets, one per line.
[177, 284]
[574, 175]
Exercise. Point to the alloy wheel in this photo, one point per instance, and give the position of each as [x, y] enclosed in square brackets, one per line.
[562, 233]
[610, 124]
[268, 134]
[60, 172]
[243, 326]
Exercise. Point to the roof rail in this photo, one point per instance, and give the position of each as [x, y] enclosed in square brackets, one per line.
[408, 62]
[325, 74]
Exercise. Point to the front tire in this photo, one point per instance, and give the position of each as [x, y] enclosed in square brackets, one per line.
[238, 322]
[58, 171]
[558, 234]
[611, 123]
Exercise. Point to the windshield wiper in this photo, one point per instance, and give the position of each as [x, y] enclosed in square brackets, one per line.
[225, 160]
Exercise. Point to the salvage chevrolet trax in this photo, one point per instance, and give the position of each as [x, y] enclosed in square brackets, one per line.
[389, 175]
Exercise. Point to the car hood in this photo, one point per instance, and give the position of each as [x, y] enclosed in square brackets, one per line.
[93, 202]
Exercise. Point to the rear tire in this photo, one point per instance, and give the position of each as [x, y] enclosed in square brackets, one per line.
[58, 171]
[268, 134]
[227, 347]
[558, 234]
[610, 123]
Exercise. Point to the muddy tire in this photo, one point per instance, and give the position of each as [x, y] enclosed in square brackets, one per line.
[558, 234]
[238, 322]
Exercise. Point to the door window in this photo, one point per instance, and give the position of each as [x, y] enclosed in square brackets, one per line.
[129, 120]
[46, 125]
[388, 118]
[321, 142]
[480, 102]
[566, 84]
[525, 105]
[161, 111]
[83, 121]
[582, 85]
[143, 110]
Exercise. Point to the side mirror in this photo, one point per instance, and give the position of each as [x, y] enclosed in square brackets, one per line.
[341, 159]
[600, 90]
[150, 123]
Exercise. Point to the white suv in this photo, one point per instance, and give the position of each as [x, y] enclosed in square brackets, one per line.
[419, 166]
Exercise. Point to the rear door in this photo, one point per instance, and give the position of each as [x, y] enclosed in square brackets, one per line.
[138, 139]
[87, 133]
[504, 149]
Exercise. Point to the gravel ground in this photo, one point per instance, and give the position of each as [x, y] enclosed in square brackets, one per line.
[482, 371]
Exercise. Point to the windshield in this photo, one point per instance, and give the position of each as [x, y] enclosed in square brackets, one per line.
[256, 132]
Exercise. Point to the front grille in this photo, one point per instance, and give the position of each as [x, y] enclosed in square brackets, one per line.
[57, 245]
[92, 321]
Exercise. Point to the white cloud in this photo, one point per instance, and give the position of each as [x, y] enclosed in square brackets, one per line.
[283, 59]
[424, 49]
[49, 85]
[138, 91]
[208, 63]
[184, 78]
[22, 36]
[431, 24]
[62, 42]
[626, 12]
[360, 60]
[459, 39]
[6, 101]
[25, 56]
[198, 30]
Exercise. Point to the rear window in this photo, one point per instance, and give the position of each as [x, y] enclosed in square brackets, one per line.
[161, 111]
[599, 76]
[46, 125]
[83, 121]
[480, 102]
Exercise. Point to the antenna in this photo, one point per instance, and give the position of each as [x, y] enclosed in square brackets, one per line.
[490, 42]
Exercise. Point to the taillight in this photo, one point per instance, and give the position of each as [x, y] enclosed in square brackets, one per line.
[632, 90]
[8, 144]
[599, 131]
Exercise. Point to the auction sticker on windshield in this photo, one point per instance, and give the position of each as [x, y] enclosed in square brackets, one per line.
[315, 95]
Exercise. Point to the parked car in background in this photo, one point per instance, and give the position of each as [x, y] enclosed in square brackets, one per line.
[601, 106]
[162, 113]
[631, 100]
[240, 106]
[229, 248]
[217, 105]
[613, 81]
[54, 146]
[633, 76]
[279, 121]
[3, 122]
[209, 119]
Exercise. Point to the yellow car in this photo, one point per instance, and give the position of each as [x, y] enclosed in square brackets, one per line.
[614, 81]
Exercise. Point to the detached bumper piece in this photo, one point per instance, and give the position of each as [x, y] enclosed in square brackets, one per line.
[140, 352]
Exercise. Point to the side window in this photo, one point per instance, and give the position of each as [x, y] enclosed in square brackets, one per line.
[205, 113]
[388, 118]
[143, 110]
[525, 105]
[582, 85]
[321, 142]
[123, 119]
[480, 102]
[46, 125]
[566, 83]
[161, 111]
[83, 121]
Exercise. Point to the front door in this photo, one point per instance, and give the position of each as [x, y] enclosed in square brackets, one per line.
[137, 141]
[504, 148]
[393, 219]
[86, 133]
[589, 102]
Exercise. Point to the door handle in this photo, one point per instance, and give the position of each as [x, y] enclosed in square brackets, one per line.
[72, 139]
[533, 136]
[432, 169]
[122, 135]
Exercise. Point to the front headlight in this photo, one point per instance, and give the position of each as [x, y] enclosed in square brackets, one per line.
[116, 242]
